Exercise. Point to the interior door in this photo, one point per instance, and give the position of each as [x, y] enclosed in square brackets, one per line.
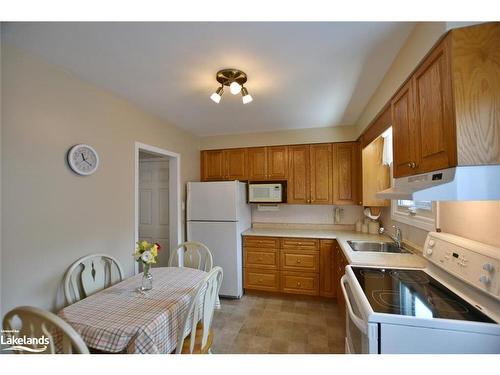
[153, 205]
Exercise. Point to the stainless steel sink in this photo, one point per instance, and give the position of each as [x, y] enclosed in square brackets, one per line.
[376, 247]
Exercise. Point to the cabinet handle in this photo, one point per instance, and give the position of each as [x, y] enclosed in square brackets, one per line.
[298, 260]
[300, 243]
[412, 165]
[298, 283]
[260, 280]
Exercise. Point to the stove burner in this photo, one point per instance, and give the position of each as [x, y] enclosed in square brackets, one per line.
[372, 274]
[439, 305]
[410, 277]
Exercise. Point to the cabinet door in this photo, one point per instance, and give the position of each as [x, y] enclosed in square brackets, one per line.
[257, 163]
[236, 164]
[298, 181]
[277, 163]
[321, 174]
[433, 106]
[327, 269]
[376, 176]
[212, 165]
[346, 172]
[404, 132]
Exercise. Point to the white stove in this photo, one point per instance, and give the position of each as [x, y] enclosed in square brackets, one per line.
[452, 306]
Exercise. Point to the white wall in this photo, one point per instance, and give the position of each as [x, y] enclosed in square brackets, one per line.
[307, 214]
[51, 216]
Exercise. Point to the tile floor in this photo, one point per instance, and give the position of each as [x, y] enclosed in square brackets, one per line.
[277, 324]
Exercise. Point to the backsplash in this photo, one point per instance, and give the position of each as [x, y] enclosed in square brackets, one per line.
[307, 214]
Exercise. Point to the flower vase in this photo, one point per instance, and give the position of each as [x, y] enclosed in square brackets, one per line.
[147, 278]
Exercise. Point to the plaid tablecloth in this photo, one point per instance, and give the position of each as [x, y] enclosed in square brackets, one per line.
[120, 318]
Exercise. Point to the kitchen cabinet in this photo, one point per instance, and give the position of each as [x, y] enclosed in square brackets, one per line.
[268, 163]
[321, 174]
[327, 287]
[310, 174]
[289, 265]
[442, 116]
[298, 181]
[346, 173]
[376, 175]
[212, 165]
[341, 263]
[220, 165]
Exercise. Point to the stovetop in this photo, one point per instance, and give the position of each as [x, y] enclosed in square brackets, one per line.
[413, 293]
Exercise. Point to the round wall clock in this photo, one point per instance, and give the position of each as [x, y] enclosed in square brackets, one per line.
[83, 159]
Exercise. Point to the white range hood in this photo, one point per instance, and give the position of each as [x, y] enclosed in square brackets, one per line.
[471, 183]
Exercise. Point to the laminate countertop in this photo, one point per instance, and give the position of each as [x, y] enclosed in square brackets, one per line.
[354, 257]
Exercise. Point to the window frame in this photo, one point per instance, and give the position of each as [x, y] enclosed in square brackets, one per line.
[404, 215]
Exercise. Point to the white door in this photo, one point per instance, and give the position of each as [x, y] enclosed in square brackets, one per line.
[153, 205]
[224, 242]
[212, 201]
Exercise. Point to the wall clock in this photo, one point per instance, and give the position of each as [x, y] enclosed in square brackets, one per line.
[83, 159]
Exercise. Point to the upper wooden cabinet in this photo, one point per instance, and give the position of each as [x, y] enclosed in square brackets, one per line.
[376, 176]
[346, 173]
[298, 169]
[212, 165]
[277, 162]
[257, 163]
[310, 174]
[268, 163]
[446, 114]
[218, 165]
[321, 173]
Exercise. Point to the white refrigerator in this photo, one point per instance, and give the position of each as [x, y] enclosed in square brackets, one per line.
[217, 214]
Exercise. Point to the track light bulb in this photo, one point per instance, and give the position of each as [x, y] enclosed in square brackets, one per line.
[246, 97]
[235, 88]
[217, 95]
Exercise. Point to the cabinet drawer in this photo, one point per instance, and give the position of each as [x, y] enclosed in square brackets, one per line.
[261, 279]
[300, 243]
[300, 260]
[262, 242]
[261, 259]
[300, 283]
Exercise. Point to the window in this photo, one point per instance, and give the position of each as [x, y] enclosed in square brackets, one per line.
[420, 214]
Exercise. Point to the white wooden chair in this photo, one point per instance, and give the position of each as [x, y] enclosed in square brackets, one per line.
[90, 274]
[200, 338]
[34, 322]
[192, 254]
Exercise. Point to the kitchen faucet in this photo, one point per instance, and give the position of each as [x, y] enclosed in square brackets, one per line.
[397, 235]
[397, 238]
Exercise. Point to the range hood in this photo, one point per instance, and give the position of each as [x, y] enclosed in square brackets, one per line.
[471, 183]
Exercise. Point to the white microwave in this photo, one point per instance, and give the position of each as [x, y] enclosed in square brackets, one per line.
[267, 192]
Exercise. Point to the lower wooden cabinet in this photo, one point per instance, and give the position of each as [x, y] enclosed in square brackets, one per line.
[261, 279]
[293, 265]
[300, 283]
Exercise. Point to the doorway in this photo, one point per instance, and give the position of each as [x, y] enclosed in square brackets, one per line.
[157, 199]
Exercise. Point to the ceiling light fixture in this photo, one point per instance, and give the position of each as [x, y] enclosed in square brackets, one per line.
[235, 79]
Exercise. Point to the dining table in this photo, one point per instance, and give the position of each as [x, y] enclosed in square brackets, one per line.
[125, 319]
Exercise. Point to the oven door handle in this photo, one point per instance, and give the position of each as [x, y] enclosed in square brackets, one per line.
[360, 323]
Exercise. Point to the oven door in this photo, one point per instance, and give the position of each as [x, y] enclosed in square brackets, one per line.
[361, 336]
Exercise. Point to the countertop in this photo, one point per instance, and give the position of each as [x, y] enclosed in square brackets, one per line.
[354, 257]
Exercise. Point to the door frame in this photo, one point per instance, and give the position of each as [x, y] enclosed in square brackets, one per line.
[174, 194]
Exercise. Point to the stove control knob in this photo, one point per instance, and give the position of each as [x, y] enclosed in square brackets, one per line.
[432, 243]
[488, 267]
[485, 280]
[429, 251]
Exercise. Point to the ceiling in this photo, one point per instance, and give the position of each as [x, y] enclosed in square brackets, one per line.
[301, 75]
